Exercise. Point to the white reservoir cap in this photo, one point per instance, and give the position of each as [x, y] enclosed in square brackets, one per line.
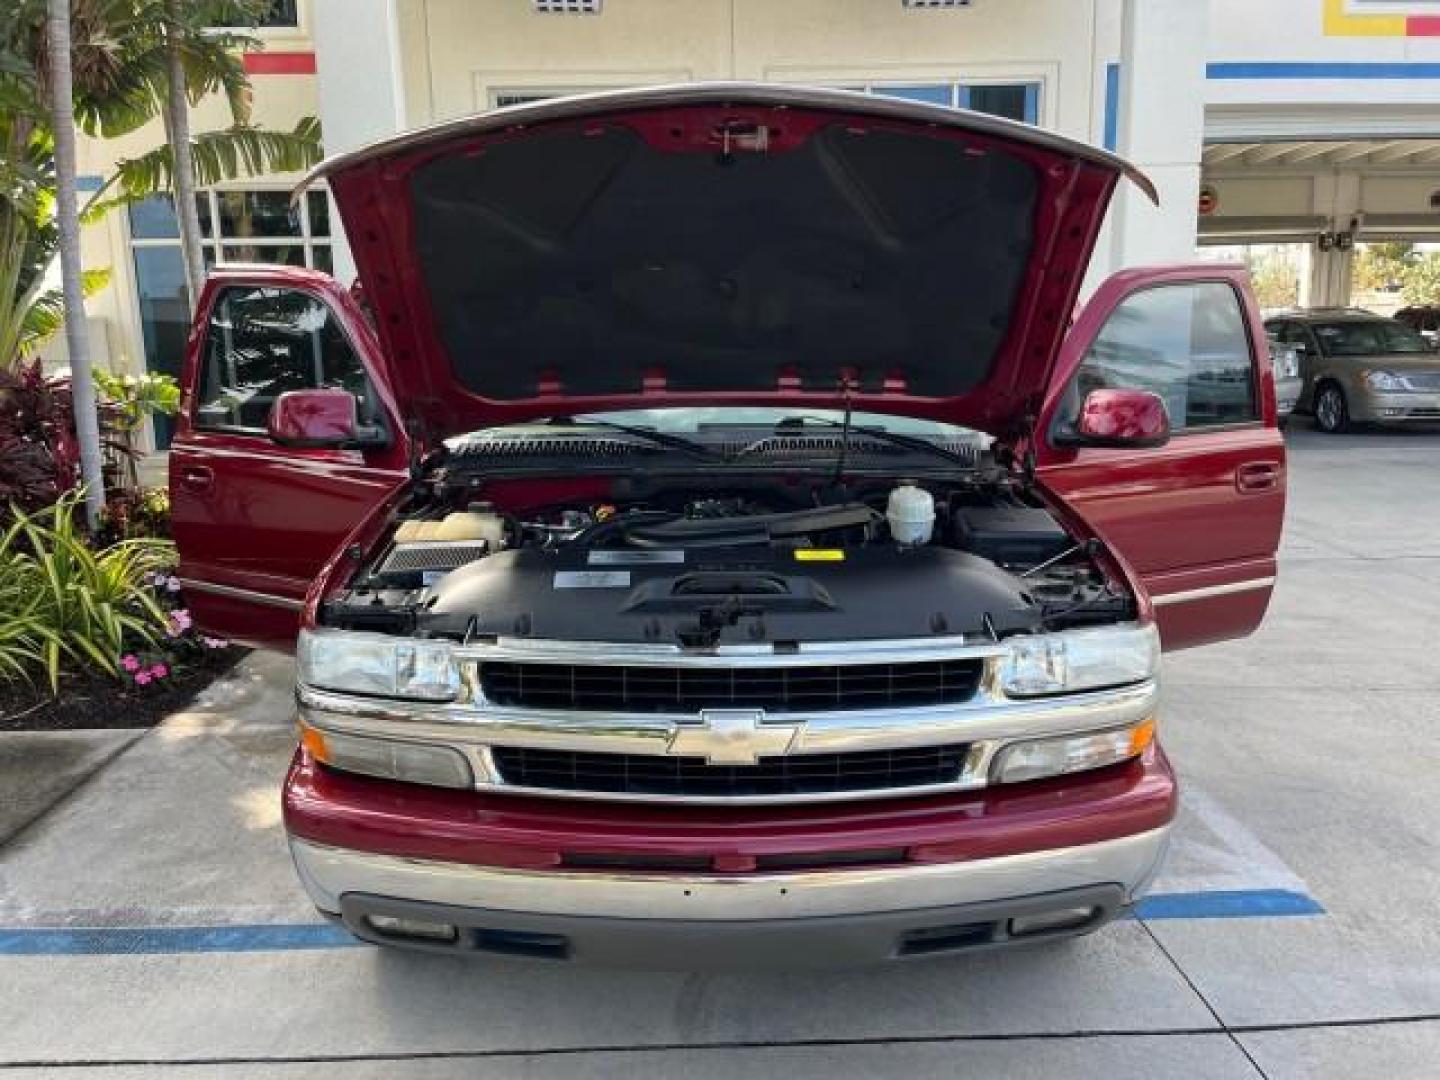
[911, 514]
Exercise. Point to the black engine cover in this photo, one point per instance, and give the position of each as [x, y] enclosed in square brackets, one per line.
[704, 597]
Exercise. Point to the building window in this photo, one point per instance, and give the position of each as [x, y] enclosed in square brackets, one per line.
[237, 226]
[1014, 101]
[281, 13]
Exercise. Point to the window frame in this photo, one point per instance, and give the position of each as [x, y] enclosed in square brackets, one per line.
[383, 420]
[1060, 420]
[214, 243]
[958, 90]
[300, 28]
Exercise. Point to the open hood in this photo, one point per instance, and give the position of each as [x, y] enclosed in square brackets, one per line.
[722, 244]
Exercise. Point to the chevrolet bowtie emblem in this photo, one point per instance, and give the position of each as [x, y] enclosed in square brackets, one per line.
[732, 737]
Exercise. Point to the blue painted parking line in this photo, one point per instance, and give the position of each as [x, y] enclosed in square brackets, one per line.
[1234, 904]
[122, 940]
[283, 937]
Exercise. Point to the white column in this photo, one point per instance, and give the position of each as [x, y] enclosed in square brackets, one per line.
[362, 97]
[1161, 128]
[1337, 199]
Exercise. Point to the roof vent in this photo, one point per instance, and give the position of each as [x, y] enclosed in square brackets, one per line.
[566, 7]
[935, 3]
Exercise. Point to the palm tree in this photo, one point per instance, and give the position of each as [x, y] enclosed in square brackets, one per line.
[121, 72]
[67, 220]
[123, 54]
[177, 132]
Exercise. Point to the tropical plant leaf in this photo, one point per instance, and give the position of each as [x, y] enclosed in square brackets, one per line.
[226, 155]
[46, 315]
[68, 604]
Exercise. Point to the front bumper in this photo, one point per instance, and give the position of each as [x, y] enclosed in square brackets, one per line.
[952, 873]
[1392, 408]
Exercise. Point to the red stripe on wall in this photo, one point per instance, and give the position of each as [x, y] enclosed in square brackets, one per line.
[280, 63]
[1422, 26]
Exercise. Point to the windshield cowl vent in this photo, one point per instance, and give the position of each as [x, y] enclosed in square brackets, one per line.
[546, 446]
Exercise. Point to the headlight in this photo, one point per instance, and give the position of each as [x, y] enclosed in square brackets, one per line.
[1384, 380]
[378, 664]
[1089, 659]
[1070, 753]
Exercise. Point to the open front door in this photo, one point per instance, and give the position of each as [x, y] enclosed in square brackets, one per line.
[1198, 518]
[254, 520]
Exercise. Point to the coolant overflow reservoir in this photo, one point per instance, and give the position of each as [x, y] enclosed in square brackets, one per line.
[473, 524]
[911, 514]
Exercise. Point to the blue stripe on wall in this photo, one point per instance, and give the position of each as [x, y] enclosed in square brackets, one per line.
[1238, 904]
[1112, 107]
[1320, 70]
[88, 182]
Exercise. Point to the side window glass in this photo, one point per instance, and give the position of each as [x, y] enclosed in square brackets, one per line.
[264, 341]
[1186, 343]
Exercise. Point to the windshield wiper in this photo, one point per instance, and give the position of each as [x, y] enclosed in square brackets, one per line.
[655, 438]
[879, 434]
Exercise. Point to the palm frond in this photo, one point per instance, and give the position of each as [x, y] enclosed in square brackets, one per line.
[226, 155]
[46, 315]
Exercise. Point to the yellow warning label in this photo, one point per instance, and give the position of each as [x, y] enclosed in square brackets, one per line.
[819, 555]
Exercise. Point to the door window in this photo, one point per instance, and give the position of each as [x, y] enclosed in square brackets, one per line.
[1187, 343]
[264, 341]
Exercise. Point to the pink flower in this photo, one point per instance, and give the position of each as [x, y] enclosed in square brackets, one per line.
[159, 671]
[130, 662]
[172, 584]
[181, 618]
[141, 678]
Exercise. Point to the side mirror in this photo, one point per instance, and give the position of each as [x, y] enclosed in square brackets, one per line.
[313, 418]
[1120, 418]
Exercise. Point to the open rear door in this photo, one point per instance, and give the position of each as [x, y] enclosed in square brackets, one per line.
[255, 521]
[1198, 518]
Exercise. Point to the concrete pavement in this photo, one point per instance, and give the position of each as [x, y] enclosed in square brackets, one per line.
[1308, 758]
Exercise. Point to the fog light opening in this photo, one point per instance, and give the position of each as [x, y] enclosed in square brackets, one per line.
[420, 929]
[1045, 922]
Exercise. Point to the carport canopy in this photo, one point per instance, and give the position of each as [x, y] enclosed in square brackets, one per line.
[1413, 156]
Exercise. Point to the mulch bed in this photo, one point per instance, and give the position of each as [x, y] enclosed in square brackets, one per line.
[91, 701]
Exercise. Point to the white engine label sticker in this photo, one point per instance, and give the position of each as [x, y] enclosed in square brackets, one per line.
[592, 579]
[634, 558]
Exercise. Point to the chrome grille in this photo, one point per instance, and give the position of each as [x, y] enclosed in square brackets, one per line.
[795, 774]
[646, 689]
[1422, 380]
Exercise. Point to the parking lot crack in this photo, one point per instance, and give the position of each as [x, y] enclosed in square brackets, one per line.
[1234, 1040]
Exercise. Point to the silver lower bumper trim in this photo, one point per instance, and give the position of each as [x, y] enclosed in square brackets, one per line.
[329, 872]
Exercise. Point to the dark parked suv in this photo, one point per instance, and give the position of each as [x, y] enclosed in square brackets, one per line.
[1424, 318]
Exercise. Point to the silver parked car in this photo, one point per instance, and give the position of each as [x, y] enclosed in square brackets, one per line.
[1285, 363]
[1360, 368]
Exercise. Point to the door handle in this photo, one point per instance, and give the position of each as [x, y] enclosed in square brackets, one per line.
[1257, 476]
[197, 477]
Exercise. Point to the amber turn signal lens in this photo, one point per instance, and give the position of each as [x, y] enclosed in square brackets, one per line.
[314, 743]
[1141, 736]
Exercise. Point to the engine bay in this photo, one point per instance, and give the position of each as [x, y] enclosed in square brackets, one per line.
[704, 560]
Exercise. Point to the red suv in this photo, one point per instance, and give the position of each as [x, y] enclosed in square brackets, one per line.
[711, 544]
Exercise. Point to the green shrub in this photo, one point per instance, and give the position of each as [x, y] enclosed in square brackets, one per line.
[70, 606]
